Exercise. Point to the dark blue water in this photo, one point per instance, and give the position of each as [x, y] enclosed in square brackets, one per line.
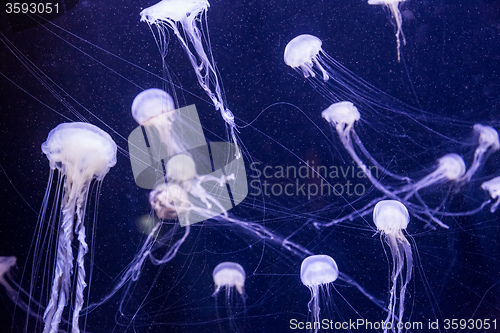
[98, 56]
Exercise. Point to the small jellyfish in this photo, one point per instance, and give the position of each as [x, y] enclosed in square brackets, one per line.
[488, 143]
[302, 53]
[81, 152]
[189, 15]
[393, 6]
[231, 276]
[181, 170]
[6, 263]
[493, 187]
[391, 218]
[450, 167]
[167, 200]
[317, 272]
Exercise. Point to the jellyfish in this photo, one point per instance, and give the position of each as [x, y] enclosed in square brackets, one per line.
[81, 152]
[231, 277]
[155, 110]
[393, 7]
[493, 187]
[188, 17]
[391, 218]
[488, 143]
[317, 272]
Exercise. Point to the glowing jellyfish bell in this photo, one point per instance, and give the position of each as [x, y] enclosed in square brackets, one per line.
[181, 168]
[167, 200]
[393, 6]
[317, 272]
[80, 152]
[493, 187]
[450, 167]
[302, 53]
[342, 115]
[229, 275]
[188, 14]
[155, 110]
[391, 218]
[487, 138]
[6, 263]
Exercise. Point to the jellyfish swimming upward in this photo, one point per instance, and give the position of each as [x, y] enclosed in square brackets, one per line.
[81, 152]
[391, 218]
[185, 18]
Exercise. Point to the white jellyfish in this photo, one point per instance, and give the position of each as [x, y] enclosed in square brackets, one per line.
[302, 53]
[81, 152]
[488, 143]
[493, 187]
[317, 272]
[229, 275]
[167, 200]
[391, 218]
[450, 167]
[166, 131]
[189, 15]
[6, 263]
[155, 110]
[393, 7]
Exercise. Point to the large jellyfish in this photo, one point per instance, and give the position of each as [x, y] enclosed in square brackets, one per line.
[393, 7]
[391, 218]
[302, 53]
[188, 17]
[317, 272]
[80, 152]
